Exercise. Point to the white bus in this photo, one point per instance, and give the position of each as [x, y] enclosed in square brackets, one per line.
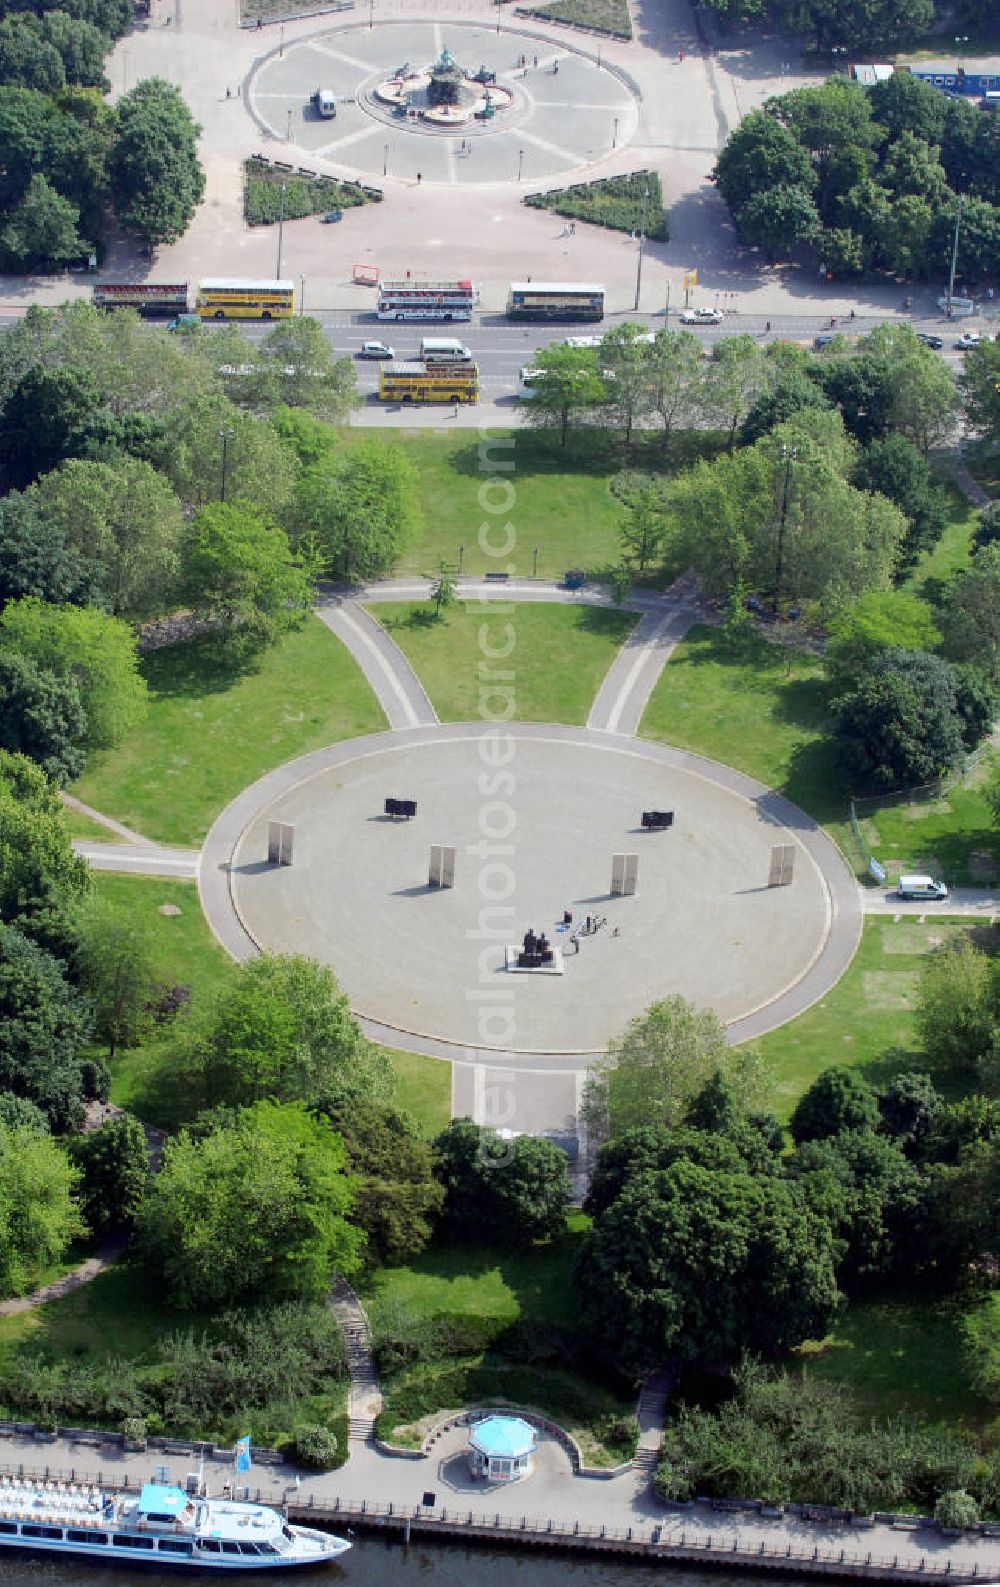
[555, 300]
[444, 350]
[426, 300]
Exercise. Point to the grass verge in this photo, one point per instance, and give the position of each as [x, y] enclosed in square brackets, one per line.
[559, 655]
[600, 16]
[867, 1020]
[423, 1088]
[211, 729]
[953, 836]
[933, 569]
[759, 707]
[633, 202]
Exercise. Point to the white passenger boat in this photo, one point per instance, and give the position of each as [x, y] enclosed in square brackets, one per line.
[164, 1526]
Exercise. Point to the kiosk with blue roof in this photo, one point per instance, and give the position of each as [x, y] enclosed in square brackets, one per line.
[501, 1448]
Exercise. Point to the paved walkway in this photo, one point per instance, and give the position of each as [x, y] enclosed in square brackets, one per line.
[632, 676]
[141, 857]
[82, 1274]
[127, 834]
[364, 1396]
[396, 686]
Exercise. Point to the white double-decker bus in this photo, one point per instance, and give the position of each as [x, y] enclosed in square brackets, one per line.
[426, 300]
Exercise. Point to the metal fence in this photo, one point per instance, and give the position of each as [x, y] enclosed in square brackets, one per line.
[652, 1539]
[868, 804]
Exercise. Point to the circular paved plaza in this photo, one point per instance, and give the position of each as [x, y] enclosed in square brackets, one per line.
[557, 122]
[534, 837]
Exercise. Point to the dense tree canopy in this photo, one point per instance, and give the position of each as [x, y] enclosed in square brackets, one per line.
[360, 509]
[83, 643]
[154, 172]
[282, 1029]
[38, 1213]
[240, 575]
[41, 878]
[499, 1191]
[691, 1264]
[396, 1195]
[44, 1024]
[839, 1099]
[41, 716]
[113, 1164]
[258, 1207]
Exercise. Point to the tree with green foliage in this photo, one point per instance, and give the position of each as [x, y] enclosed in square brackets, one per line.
[624, 361]
[41, 716]
[910, 1106]
[300, 370]
[794, 390]
[872, 1197]
[397, 1198]
[85, 644]
[26, 58]
[653, 1289]
[644, 528]
[675, 379]
[568, 389]
[35, 559]
[779, 220]
[239, 574]
[880, 621]
[759, 155]
[17, 1113]
[987, 528]
[980, 386]
[970, 617]
[42, 229]
[39, 416]
[732, 380]
[115, 964]
[41, 879]
[363, 508]
[39, 1217]
[894, 467]
[258, 1207]
[899, 725]
[957, 1511]
[259, 466]
[126, 520]
[113, 1164]
[661, 1060]
[44, 1024]
[748, 1144]
[838, 1099]
[154, 173]
[444, 590]
[498, 1191]
[958, 1008]
[281, 1029]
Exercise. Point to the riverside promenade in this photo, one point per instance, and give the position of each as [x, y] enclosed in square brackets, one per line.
[432, 1494]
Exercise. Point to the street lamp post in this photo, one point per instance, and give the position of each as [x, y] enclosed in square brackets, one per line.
[281, 40]
[614, 139]
[666, 311]
[838, 51]
[302, 293]
[961, 40]
[642, 242]
[225, 436]
[954, 254]
[281, 231]
[789, 453]
[520, 163]
[288, 127]
[534, 570]
[385, 160]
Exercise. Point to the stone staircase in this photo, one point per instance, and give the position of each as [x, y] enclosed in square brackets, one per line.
[650, 1413]
[365, 1396]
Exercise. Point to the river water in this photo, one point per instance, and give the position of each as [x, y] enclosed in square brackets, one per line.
[381, 1562]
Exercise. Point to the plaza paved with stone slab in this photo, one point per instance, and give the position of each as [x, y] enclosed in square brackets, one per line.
[559, 120]
[533, 840]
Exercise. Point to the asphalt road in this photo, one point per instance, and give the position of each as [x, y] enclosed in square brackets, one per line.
[502, 350]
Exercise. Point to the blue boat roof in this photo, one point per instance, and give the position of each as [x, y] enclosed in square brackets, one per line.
[503, 1435]
[158, 1499]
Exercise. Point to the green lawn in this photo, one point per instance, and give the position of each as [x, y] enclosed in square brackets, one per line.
[505, 1286]
[211, 730]
[115, 1314]
[867, 1019]
[81, 826]
[561, 506]
[761, 708]
[934, 568]
[953, 836]
[558, 659]
[982, 459]
[423, 1088]
[899, 1353]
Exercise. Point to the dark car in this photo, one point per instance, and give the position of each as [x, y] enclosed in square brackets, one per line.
[930, 341]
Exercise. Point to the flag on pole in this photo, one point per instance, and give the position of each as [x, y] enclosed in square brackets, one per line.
[690, 278]
[243, 1453]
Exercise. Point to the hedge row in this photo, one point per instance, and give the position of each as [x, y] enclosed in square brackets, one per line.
[304, 195]
[600, 16]
[617, 202]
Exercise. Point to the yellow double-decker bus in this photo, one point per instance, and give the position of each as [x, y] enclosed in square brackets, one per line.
[429, 382]
[224, 299]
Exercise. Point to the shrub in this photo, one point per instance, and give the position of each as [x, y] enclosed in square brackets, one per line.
[304, 195]
[956, 1509]
[316, 1447]
[95, 1080]
[134, 1429]
[617, 202]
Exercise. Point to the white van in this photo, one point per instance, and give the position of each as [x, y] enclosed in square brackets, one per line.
[444, 350]
[325, 103]
[923, 887]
